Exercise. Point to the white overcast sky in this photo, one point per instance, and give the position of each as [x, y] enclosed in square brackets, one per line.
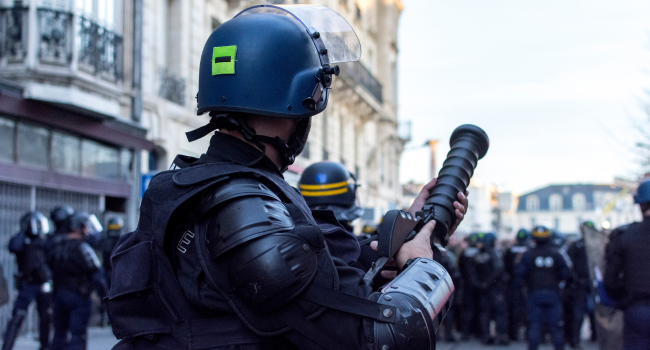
[553, 83]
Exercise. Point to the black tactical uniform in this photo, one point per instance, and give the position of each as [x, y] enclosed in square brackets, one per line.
[34, 279]
[580, 289]
[486, 276]
[76, 271]
[627, 279]
[226, 253]
[515, 293]
[469, 293]
[543, 268]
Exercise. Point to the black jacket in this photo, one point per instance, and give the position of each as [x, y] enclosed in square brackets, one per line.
[627, 276]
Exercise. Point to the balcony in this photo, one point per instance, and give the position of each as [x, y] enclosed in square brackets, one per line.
[172, 87]
[65, 40]
[362, 76]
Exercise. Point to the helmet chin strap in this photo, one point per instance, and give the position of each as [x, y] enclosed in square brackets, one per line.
[288, 151]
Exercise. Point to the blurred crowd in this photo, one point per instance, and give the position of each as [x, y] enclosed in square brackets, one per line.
[503, 281]
[59, 270]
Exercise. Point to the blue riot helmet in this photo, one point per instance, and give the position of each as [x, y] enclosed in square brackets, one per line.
[328, 185]
[34, 224]
[488, 239]
[60, 216]
[522, 236]
[275, 61]
[558, 239]
[642, 192]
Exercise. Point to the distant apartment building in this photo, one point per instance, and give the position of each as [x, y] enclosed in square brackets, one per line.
[359, 127]
[69, 132]
[566, 207]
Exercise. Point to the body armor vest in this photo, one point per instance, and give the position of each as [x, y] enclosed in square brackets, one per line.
[544, 268]
[147, 306]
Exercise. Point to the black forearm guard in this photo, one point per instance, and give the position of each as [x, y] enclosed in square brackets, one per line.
[421, 295]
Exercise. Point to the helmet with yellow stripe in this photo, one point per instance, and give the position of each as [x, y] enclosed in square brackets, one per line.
[541, 234]
[328, 185]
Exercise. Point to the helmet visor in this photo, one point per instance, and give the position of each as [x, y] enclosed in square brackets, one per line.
[93, 225]
[337, 41]
[39, 224]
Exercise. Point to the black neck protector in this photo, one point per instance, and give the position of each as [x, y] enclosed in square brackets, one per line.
[288, 151]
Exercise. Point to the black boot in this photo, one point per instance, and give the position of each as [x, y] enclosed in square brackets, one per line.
[12, 329]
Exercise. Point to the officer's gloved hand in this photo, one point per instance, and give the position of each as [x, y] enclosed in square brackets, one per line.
[46, 287]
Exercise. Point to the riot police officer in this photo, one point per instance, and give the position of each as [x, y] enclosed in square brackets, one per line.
[469, 293]
[580, 289]
[76, 270]
[486, 276]
[516, 302]
[627, 277]
[228, 254]
[543, 268]
[114, 230]
[328, 186]
[60, 216]
[34, 279]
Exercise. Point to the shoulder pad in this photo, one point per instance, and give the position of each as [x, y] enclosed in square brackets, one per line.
[246, 210]
[89, 256]
[237, 188]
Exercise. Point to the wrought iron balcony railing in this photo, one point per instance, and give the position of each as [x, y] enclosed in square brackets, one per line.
[359, 73]
[172, 87]
[62, 38]
[13, 33]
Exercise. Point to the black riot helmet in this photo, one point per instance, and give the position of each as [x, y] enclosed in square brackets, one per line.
[328, 185]
[82, 219]
[114, 227]
[274, 61]
[34, 224]
[60, 216]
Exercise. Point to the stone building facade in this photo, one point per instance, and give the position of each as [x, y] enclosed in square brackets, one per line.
[69, 130]
[359, 127]
[566, 207]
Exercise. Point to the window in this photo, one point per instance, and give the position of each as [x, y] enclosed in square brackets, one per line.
[66, 153]
[579, 201]
[555, 202]
[33, 145]
[99, 160]
[532, 203]
[556, 223]
[7, 128]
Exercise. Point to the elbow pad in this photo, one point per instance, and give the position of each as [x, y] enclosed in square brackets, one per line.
[90, 260]
[267, 258]
[421, 295]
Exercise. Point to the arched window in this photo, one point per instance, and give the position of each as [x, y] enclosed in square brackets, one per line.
[532, 203]
[555, 202]
[579, 201]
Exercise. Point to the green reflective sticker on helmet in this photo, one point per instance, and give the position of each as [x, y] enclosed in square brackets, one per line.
[223, 60]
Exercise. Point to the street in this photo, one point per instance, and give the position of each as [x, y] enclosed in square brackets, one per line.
[103, 339]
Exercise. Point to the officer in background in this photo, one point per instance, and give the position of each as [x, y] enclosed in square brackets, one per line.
[627, 276]
[34, 279]
[230, 255]
[60, 216]
[76, 270]
[469, 293]
[543, 268]
[328, 186]
[486, 277]
[449, 263]
[516, 301]
[114, 230]
[580, 289]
